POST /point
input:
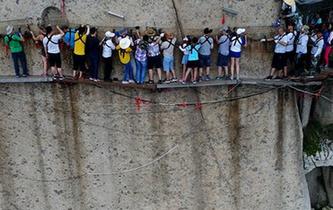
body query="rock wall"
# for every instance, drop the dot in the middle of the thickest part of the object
(67, 146)
(194, 15)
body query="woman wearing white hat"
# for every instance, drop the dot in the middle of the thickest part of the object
(236, 43)
(107, 46)
(124, 51)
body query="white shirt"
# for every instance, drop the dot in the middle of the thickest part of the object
(291, 40)
(236, 44)
(280, 48)
(318, 46)
(108, 46)
(302, 44)
(52, 43)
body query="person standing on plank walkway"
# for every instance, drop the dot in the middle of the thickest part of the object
(13, 42)
(51, 45)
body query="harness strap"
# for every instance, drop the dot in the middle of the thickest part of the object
(80, 39)
(206, 40)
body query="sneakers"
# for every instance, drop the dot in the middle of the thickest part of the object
(159, 81)
(174, 79)
(167, 82)
(96, 80)
(131, 81)
(218, 78)
(25, 75)
(184, 82)
(91, 79)
(269, 77)
(207, 78)
(61, 78)
(151, 82)
(194, 82)
(17, 76)
(125, 82)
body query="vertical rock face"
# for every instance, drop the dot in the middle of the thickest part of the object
(86, 147)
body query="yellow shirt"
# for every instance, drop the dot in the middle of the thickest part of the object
(124, 55)
(80, 44)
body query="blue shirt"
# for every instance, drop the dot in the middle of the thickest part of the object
(224, 45)
(206, 45)
(193, 54)
(69, 38)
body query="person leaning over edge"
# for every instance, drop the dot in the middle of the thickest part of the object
(51, 45)
(107, 46)
(223, 53)
(79, 57)
(279, 58)
(206, 45)
(92, 51)
(13, 42)
(301, 51)
(39, 42)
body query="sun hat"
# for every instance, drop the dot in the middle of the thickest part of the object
(109, 34)
(9, 29)
(150, 32)
(240, 31)
(289, 2)
(208, 31)
(125, 43)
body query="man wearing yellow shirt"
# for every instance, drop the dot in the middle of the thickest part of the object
(124, 51)
(79, 57)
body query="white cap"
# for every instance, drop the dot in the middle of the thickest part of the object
(109, 34)
(9, 29)
(240, 31)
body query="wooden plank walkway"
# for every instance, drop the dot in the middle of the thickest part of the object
(257, 82)
(30, 79)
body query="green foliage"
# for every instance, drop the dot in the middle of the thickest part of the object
(313, 134)
(312, 137)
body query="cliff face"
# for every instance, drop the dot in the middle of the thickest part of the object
(87, 147)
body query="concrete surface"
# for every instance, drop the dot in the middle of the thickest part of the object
(84, 147)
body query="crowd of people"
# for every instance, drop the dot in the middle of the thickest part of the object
(306, 52)
(150, 52)
(298, 51)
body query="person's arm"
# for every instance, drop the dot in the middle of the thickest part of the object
(88, 30)
(34, 37)
(6, 46)
(21, 37)
(101, 42)
(61, 31)
(212, 44)
(113, 47)
(330, 38)
(245, 41)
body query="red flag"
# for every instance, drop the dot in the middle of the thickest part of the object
(223, 20)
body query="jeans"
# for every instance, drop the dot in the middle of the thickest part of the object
(141, 69)
(20, 57)
(128, 72)
(328, 51)
(93, 61)
(107, 68)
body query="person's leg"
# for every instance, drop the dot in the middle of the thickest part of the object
(107, 68)
(15, 58)
(45, 67)
(58, 65)
(138, 74)
(23, 61)
(126, 73)
(130, 72)
(207, 64)
(237, 68)
(143, 71)
(195, 72)
(159, 74)
(327, 53)
(226, 71)
(232, 68)
(166, 67)
(187, 73)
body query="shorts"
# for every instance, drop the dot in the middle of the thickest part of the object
(204, 60)
(79, 62)
(235, 54)
(279, 61)
(54, 60)
(222, 60)
(154, 62)
(168, 63)
(193, 64)
(184, 59)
